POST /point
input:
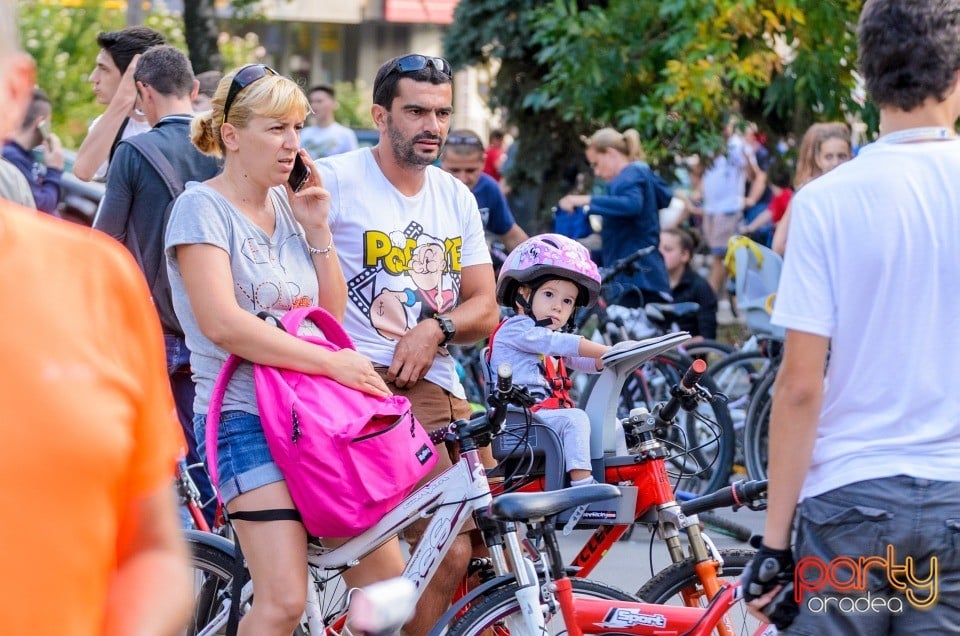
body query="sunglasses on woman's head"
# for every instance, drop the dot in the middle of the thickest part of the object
(243, 78)
(415, 62)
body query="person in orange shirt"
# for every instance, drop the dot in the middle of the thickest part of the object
(90, 539)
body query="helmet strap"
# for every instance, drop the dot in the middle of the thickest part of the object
(527, 305)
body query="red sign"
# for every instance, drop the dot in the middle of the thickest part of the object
(420, 11)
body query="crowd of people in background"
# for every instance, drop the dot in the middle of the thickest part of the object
(197, 191)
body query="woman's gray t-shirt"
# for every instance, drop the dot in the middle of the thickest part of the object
(270, 273)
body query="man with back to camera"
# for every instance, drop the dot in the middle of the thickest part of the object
(34, 131)
(326, 137)
(418, 272)
(463, 157)
(112, 80)
(871, 452)
(137, 197)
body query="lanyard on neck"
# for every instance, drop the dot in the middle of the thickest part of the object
(913, 135)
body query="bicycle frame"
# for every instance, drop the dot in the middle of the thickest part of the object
(595, 616)
(449, 500)
(646, 470)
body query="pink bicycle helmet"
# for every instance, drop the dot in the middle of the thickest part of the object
(548, 256)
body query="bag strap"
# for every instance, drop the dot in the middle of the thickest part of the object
(332, 330)
(158, 161)
(163, 167)
(117, 138)
(289, 322)
(213, 415)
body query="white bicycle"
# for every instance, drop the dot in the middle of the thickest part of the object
(449, 500)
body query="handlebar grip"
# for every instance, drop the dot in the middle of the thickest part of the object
(504, 379)
(671, 407)
(693, 374)
(742, 492)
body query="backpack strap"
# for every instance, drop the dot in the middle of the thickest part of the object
(117, 138)
(163, 167)
(213, 416)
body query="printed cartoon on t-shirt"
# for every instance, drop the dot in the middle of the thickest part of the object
(407, 276)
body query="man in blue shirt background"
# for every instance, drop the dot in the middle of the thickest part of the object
(463, 157)
(44, 178)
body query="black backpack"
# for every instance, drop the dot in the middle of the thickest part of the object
(160, 289)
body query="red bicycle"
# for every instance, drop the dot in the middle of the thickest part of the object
(694, 580)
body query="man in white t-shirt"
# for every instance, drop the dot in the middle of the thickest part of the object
(411, 244)
(724, 185)
(326, 137)
(872, 273)
(113, 85)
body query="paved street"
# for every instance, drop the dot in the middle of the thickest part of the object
(628, 565)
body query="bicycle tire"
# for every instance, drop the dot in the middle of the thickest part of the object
(489, 612)
(737, 377)
(756, 432)
(213, 577)
(710, 351)
(727, 527)
(665, 588)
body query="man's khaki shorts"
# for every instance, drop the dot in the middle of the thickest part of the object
(434, 407)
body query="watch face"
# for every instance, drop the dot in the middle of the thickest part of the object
(447, 327)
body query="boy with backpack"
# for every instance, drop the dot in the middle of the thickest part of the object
(149, 171)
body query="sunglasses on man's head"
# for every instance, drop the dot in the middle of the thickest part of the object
(243, 78)
(415, 62)
(458, 140)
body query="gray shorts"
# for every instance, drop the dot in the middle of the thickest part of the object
(718, 228)
(849, 538)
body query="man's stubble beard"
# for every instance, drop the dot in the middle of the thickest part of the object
(404, 151)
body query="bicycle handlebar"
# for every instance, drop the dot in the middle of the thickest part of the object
(626, 263)
(741, 493)
(685, 389)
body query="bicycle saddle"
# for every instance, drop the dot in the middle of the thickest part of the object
(669, 312)
(533, 506)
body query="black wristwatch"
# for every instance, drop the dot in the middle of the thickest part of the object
(447, 327)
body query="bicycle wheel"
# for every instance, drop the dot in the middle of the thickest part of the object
(494, 612)
(710, 351)
(756, 431)
(213, 585)
(702, 444)
(736, 377)
(680, 578)
(212, 580)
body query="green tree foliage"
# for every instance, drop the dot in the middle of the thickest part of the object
(63, 42)
(548, 148)
(672, 69)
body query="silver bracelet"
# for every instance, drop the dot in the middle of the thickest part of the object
(314, 251)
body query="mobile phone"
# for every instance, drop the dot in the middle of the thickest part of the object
(299, 174)
(44, 128)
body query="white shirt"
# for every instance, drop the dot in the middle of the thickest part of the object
(725, 181)
(873, 263)
(134, 127)
(402, 256)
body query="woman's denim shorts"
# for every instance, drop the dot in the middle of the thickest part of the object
(243, 457)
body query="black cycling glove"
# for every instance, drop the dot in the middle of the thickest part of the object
(768, 569)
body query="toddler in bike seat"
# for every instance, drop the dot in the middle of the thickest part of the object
(545, 279)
